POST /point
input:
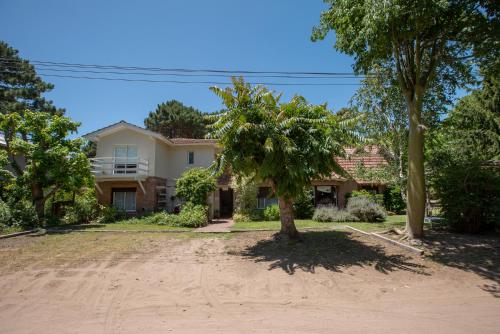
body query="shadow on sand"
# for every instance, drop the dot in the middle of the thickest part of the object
(479, 254)
(331, 250)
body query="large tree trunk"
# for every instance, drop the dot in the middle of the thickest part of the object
(286, 217)
(38, 200)
(416, 178)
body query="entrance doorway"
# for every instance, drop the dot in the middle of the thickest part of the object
(226, 203)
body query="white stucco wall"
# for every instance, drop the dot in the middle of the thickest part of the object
(203, 157)
(146, 146)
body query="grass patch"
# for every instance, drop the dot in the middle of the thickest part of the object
(391, 221)
(124, 226)
(10, 229)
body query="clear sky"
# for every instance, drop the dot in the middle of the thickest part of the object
(263, 35)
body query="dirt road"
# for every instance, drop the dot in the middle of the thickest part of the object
(335, 282)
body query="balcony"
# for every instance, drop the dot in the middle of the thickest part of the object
(119, 168)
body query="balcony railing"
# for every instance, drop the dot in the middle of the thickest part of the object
(119, 167)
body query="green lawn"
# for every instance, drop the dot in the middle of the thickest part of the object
(125, 227)
(392, 221)
(8, 230)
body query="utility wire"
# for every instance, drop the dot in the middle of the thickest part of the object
(200, 82)
(134, 68)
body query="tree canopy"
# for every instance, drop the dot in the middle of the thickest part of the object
(175, 120)
(20, 87)
(286, 145)
(53, 162)
(426, 43)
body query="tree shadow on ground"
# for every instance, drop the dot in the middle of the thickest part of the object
(479, 254)
(331, 250)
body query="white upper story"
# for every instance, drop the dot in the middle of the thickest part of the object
(126, 151)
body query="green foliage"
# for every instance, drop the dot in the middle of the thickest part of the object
(377, 198)
(285, 144)
(109, 214)
(5, 214)
(365, 209)
(193, 215)
(246, 190)
(333, 214)
(392, 199)
(272, 212)
(463, 161)
(53, 162)
(174, 120)
(84, 210)
(303, 206)
(23, 214)
(195, 185)
(20, 87)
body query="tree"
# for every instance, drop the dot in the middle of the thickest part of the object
(53, 162)
(463, 157)
(195, 185)
(425, 43)
(174, 120)
(20, 87)
(286, 145)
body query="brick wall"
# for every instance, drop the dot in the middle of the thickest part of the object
(145, 202)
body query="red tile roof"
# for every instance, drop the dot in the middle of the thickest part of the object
(369, 156)
(186, 141)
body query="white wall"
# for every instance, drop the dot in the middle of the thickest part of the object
(203, 157)
(145, 145)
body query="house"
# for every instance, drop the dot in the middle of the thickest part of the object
(136, 170)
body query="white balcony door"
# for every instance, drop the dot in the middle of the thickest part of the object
(125, 159)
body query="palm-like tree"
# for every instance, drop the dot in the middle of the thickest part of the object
(286, 145)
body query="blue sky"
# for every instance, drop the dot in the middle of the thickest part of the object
(222, 34)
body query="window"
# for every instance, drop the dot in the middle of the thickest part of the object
(325, 195)
(190, 158)
(125, 159)
(124, 200)
(264, 198)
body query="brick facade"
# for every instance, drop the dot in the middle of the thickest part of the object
(145, 202)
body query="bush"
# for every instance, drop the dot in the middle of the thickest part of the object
(23, 214)
(332, 214)
(377, 198)
(365, 209)
(272, 212)
(109, 214)
(470, 197)
(393, 200)
(303, 206)
(84, 210)
(246, 196)
(195, 185)
(193, 215)
(5, 214)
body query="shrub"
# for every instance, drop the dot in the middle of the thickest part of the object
(332, 214)
(23, 214)
(5, 214)
(193, 215)
(246, 195)
(470, 197)
(393, 200)
(377, 198)
(303, 206)
(109, 214)
(365, 209)
(272, 212)
(195, 185)
(240, 217)
(84, 210)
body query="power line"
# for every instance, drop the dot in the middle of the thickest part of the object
(134, 68)
(200, 82)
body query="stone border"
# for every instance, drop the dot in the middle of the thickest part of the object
(394, 242)
(16, 234)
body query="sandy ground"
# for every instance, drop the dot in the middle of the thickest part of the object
(334, 282)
